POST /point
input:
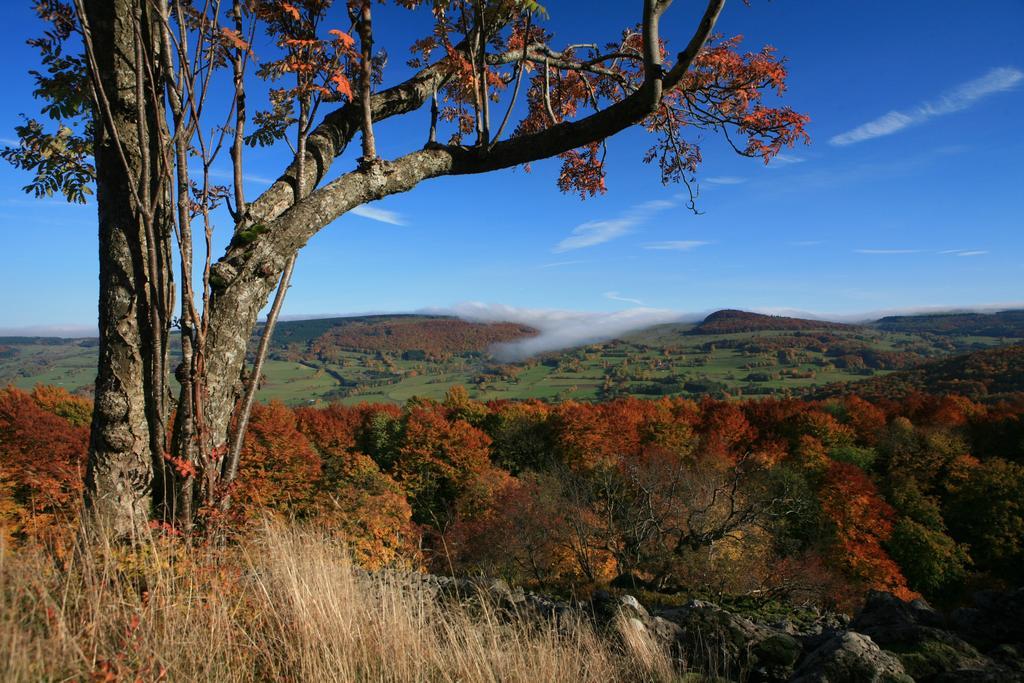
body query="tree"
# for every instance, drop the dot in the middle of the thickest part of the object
(283, 467)
(986, 511)
(133, 83)
(42, 449)
(863, 522)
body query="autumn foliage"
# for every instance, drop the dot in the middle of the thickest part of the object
(730, 321)
(438, 338)
(810, 500)
(43, 438)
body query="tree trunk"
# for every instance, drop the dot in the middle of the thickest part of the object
(136, 289)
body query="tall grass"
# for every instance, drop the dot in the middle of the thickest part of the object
(285, 605)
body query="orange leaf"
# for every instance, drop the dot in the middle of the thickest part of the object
(235, 38)
(345, 39)
(342, 85)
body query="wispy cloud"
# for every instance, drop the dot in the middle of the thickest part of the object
(557, 264)
(959, 98)
(560, 329)
(675, 245)
(725, 180)
(598, 232)
(947, 252)
(786, 160)
(971, 252)
(381, 215)
(806, 243)
(867, 172)
(217, 173)
(615, 296)
(887, 251)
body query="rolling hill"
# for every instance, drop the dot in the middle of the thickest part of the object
(729, 321)
(981, 375)
(392, 358)
(1001, 324)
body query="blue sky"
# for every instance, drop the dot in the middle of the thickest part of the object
(908, 196)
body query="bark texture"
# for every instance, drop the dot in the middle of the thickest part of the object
(126, 435)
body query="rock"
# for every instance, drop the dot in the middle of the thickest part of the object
(885, 609)
(718, 642)
(607, 608)
(501, 594)
(995, 618)
(850, 658)
(917, 634)
(631, 604)
(890, 640)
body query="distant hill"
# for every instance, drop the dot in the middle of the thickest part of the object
(417, 337)
(392, 358)
(978, 375)
(1001, 324)
(305, 331)
(729, 321)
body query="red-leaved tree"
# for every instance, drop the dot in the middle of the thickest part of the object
(148, 95)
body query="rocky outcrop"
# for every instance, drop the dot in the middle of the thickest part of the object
(850, 657)
(921, 638)
(711, 639)
(888, 641)
(994, 618)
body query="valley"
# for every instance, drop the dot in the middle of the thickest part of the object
(392, 358)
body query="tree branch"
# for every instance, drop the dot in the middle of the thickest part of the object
(296, 225)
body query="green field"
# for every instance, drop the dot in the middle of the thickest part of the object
(663, 360)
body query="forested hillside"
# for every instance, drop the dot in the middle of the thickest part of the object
(730, 321)
(1001, 324)
(393, 358)
(982, 375)
(808, 501)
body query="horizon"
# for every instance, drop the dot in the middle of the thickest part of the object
(903, 201)
(623, 321)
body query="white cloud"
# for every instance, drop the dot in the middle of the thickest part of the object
(381, 215)
(887, 251)
(786, 160)
(615, 296)
(959, 98)
(964, 252)
(725, 180)
(675, 245)
(884, 125)
(222, 174)
(807, 243)
(593, 233)
(557, 264)
(563, 329)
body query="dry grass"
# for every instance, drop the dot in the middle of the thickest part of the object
(287, 605)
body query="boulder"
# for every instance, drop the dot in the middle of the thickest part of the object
(922, 640)
(995, 618)
(850, 658)
(712, 640)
